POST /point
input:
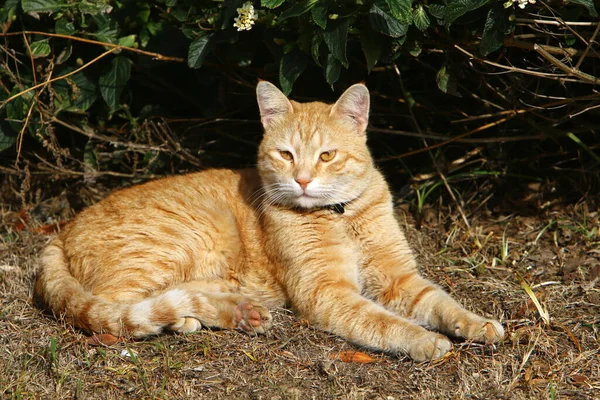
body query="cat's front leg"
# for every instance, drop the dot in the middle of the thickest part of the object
(419, 300)
(321, 279)
(392, 280)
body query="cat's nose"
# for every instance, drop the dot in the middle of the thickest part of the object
(303, 182)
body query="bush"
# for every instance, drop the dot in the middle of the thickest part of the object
(82, 79)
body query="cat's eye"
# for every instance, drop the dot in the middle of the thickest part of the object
(327, 155)
(286, 155)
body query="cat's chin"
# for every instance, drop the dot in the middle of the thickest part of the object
(305, 201)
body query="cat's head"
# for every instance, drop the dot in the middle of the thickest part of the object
(313, 154)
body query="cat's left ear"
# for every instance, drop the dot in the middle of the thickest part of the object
(354, 104)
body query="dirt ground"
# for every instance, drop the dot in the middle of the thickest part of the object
(538, 274)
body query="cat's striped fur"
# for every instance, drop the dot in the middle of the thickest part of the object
(220, 247)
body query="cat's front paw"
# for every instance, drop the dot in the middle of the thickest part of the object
(479, 330)
(252, 318)
(429, 346)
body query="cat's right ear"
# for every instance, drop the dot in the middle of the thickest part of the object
(272, 103)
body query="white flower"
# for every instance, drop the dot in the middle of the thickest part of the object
(246, 17)
(523, 3)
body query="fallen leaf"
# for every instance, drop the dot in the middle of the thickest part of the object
(49, 229)
(353, 357)
(103, 339)
(578, 379)
(529, 305)
(595, 272)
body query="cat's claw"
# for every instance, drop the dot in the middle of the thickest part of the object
(252, 318)
(430, 347)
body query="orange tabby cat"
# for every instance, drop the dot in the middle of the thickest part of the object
(312, 227)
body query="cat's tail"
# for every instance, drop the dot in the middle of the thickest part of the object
(57, 291)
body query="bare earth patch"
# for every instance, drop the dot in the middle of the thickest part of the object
(489, 268)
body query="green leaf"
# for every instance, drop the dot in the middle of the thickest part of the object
(336, 37)
(271, 3)
(497, 25)
(457, 8)
(108, 30)
(447, 82)
(64, 27)
(127, 41)
(6, 139)
(371, 47)
(84, 93)
(382, 22)
(37, 6)
(319, 15)
(199, 49)
(332, 71)
(315, 49)
(415, 50)
(114, 79)
(589, 4)
(297, 10)
(41, 48)
(401, 10)
(291, 66)
(94, 7)
(64, 54)
(420, 18)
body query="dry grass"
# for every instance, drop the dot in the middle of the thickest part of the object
(43, 358)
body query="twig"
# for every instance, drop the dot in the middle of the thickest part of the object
(524, 71)
(435, 164)
(22, 132)
(554, 22)
(84, 66)
(568, 51)
(454, 139)
(569, 70)
(113, 46)
(94, 135)
(589, 46)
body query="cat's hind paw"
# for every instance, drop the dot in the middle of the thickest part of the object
(252, 318)
(186, 325)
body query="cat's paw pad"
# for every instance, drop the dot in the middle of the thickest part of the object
(429, 347)
(481, 330)
(185, 325)
(252, 318)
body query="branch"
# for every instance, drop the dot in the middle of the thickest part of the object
(156, 56)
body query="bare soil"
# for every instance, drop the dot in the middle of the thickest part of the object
(488, 267)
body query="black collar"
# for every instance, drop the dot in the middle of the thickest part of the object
(338, 207)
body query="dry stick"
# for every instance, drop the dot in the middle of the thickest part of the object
(589, 46)
(84, 66)
(94, 135)
(558, 77)
(554, 22)
(439, 171)
(454, 139)
(22, 132)
(569, 51)
(114, 46)
(569, 70)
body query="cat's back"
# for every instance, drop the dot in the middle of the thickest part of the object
(181, 193)
(163, 211)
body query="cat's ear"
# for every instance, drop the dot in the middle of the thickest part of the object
(272, 103)
(354, 104)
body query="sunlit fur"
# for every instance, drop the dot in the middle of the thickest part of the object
(219, 247)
